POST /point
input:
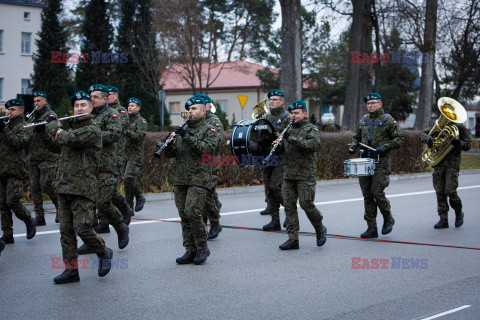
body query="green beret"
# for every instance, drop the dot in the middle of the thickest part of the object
(276, 92)
(15, 103)
(299, 104)
(134, 100)
(80, 95)
(40, 94)
(204, 96)
(194, 100)
(113, 89)
(372, 96)
(98, 87)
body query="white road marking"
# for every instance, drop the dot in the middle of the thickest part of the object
(446, 312)
(257, 210)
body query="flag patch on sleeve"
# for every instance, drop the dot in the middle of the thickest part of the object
(114, 115)
(213, 130)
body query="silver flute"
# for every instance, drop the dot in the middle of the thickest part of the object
(59, 119)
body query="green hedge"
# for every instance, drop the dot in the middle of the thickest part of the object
(156, 174)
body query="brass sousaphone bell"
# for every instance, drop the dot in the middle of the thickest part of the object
(260, 110)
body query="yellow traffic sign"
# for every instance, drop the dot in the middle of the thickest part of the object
(242, 100)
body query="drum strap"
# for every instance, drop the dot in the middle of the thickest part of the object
(372, 124)
(281, 118)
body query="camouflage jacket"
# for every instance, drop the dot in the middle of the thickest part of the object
(213, 121)
(378, 129)
(125, 124)
(109, 121)
(279, 117)
(79, 148)
(13, 145)
(299, 149)
(135, 142)
(454, 157)
(200, 139)
(37, 151)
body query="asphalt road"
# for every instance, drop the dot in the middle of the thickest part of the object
(248, 277)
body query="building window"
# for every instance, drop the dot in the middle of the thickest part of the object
(1, 89)
(1, 41)
(26, 16)
(26, 86)
(223, 105)
(26, 43)
(174, 107)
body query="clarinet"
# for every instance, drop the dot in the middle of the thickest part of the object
(267, 159)
(170, 139)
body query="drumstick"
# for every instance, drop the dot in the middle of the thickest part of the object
(364, 145)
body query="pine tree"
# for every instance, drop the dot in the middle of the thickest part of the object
(50, 77)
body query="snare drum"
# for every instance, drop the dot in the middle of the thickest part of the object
(251, 140)
(359, 167)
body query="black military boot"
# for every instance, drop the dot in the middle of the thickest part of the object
(442, 224)
(128, 217)
(321, 236)
(69, 275)
(2, 246)
(370, 233)
(459, 219)
(266, 211)
(56, 218)
(273, 225)
(83, 249)
(105, 263)
(388, 225)
(215, 229)
(285, 223)
(41, 221)
(102, 228)
(187, 257)
(289, 245)
(140, 203)
(31, 228)
(201, 256)
(123, 238)
(219, 205)
(8, 239)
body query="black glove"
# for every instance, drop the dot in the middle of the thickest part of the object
(51, 118)
(380, 151)
(40, 128)
(180, 131)
(456, 143)
(430, 143)
(2, 125)
(286, 135)
(352, 149)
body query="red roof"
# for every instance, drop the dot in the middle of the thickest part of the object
(223, 75)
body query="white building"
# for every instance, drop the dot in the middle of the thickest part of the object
(20, 21)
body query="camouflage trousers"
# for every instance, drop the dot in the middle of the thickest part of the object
(11, 191)
(304, 191)
(76, 215)
(445, 182)
(42, 177)
(190, 202)
(272, 180)
(132, 187)
(106, 211)
(118, 200)
(211, 209)
(374, 196)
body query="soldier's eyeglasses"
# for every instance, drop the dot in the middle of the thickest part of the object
(372, 103)
(275, 99)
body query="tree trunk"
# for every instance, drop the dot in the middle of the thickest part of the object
(425, 100)
(291, 70)
(358, 78)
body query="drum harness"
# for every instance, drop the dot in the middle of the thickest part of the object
(372, 124)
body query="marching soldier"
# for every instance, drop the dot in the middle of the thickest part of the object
(14, 140)
(381, 132)
(213, 205)
(192, 181)
(42, 162)
(299, 145)
(273, 175)
(445, 176)
(76, 186)
(135, 143)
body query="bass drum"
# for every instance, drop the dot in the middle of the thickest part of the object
(251, 141)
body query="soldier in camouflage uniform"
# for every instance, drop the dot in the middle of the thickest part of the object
(42, 162)
(191, 180)
(13, 174)
(213, 205)
(135, 144)
(273, 175)
(75, 184)
(381, 132)
(299, 145)
(445, 176)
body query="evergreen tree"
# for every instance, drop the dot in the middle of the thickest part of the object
(50, 77)
(96, 39)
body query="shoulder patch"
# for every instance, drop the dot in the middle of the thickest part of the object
(218, 125)
(213, 130)
(114, 115)
(122, 111)
(143, 121)
(315, 129)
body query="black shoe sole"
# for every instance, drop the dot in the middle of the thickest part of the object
(179, 261)
(441, 227)
(289, 248)
(77, 279)
(272, 229)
